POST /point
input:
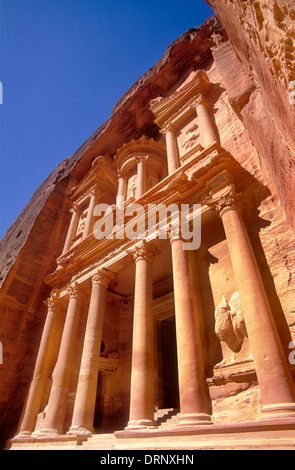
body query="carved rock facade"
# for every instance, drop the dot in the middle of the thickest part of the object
(107, 333)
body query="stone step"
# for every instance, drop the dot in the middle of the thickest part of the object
(100, 442)
(167, 417)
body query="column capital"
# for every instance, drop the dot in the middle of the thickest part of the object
(200, 99)
(92, 192)
(141, 158)
(125, 309)
(144, 251)
(52, 301)
(174, 234)
(226, 201)
(75, 291)
(102, 277)
(167, 126)
(74, 209)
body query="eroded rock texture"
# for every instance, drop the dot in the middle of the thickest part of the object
(263, 37)
(248, 61)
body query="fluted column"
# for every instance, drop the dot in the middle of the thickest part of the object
(276, 385)
(72, 227)
(89, 217)
(141, 176)
(142, 372)
(55, 413)
(193, 391)
(205, 123)
(172, 149)
(83, 415)
(46, 353)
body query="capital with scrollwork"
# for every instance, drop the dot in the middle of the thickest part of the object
(144, 251)
(52, 301)
(228, 200)
(102, 277)
(75, 291)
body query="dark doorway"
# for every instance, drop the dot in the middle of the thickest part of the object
(169, 368)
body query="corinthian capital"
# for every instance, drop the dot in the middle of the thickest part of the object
(75, 291)
(144, 251)
(52, 301)
(227, 200)
(102, 277)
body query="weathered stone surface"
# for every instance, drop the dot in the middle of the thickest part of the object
(198, 127)
(263, 36)
(29, 248)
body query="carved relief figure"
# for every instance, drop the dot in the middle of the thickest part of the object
(229, 322)
(132, 183)
(191, 137)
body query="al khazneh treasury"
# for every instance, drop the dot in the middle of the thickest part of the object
(136, 343)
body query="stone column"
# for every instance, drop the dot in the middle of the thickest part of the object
(44, 361)
(193, 391)
(55, 413)
(125, 352)
(141, 176)
(122, 188)
(89, 217)
(206, 127)
(276, 385)
(142, 372)
(172, 149)
(83, 415)
(72, 227)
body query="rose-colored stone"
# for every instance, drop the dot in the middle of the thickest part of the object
(156, 340)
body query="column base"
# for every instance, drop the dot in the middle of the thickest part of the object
(47, 432)
(80, 431)
(140, 424)
(277, 411)
(23, 435)
(194, 419)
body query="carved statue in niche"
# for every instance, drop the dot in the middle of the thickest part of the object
(192, 135)
(131, 190)
(230, 325)
(81, 224)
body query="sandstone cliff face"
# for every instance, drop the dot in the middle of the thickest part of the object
(253, 120)
(263, 36)
(29, 249)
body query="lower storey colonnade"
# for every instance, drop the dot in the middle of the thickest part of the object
(274, 377)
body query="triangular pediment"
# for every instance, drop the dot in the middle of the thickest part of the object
(165, 108)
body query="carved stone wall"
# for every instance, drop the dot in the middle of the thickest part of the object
(210, 100)
(263, 36)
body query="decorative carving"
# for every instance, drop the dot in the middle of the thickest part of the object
(102, 277)
(229, 322)
(125, 308)
(227, 201)
(52, 301)
(191, 137)
(131, 191)
(75, 290)
(144, 251)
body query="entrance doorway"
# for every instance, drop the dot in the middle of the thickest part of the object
(168, 391)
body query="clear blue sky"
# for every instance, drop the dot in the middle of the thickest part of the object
(64, 64)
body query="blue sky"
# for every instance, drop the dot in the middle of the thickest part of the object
(64, 64)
